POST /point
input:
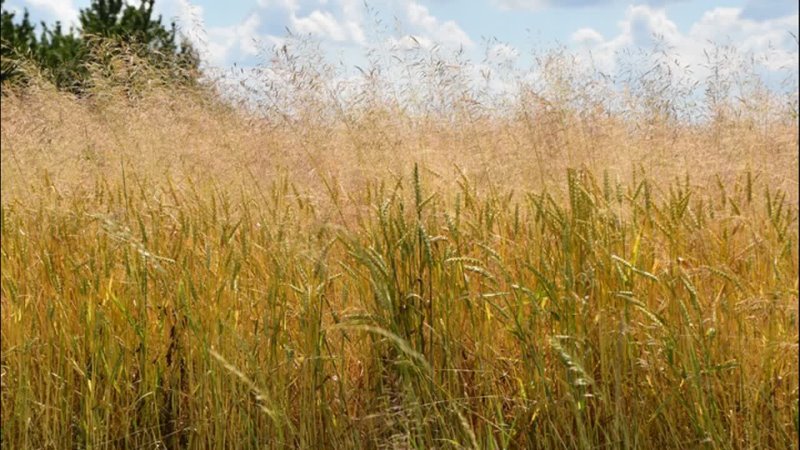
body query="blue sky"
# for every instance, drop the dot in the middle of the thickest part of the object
(229, 32)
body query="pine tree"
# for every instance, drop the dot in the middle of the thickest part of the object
(129, 24)
(15, 40)
(64, 57)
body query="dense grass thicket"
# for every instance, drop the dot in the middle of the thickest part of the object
(545, 273)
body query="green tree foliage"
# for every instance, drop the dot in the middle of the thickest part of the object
(136, 26)
(106, 26)
(15, 40)
(63, 56)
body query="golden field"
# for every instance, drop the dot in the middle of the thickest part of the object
(178, 272)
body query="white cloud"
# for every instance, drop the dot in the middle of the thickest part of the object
(410, 41)
(447, 32)
(325, 25)
(223, 45)
(289, 5)
(353, 18)
(340, 23)
(188, 16)
(522, 4)
(319, 23)
(586, 36)
(62, 10)
(718, 26)
(502, 54)
(534, 5)
(243, 38)
(643, 23)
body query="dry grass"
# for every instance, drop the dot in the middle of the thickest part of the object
(180, 273)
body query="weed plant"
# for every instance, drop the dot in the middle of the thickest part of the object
(571, 266)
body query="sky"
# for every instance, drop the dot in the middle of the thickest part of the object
(238, 32)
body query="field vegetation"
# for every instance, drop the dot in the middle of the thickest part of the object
(401, 259)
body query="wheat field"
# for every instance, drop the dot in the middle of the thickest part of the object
(180, 271)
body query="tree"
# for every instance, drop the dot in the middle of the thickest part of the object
(14, 39)
(63, 57)
(137, 29)
(114, 18)
(106, 25)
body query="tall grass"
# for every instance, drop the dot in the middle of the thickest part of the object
(180, 273)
